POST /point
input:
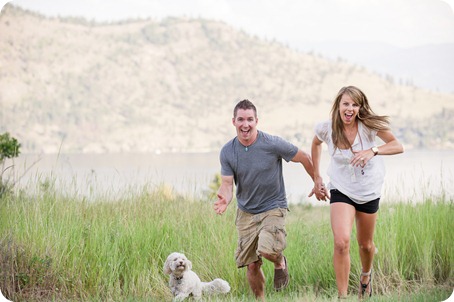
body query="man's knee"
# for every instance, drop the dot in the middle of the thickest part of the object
(254, 266)
(274, 257)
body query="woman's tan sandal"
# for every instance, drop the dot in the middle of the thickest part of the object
(363, 287)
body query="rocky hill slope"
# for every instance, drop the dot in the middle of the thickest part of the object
(69, 85)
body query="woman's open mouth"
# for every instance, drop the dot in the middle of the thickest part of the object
(348, 117)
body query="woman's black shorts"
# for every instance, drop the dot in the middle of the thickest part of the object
(370, 207)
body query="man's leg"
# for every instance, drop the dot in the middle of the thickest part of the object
(281, 276)
(271, 244)
(256, 279)
(246, 254)
(278, 260)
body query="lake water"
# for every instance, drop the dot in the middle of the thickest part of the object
(411, 176)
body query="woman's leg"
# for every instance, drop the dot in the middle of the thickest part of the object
(342, 216)
(365, 228)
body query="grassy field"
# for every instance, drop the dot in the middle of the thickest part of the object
(55, 247)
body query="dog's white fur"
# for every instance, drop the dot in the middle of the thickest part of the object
(184, 282)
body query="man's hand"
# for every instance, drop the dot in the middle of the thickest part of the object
(220, 205)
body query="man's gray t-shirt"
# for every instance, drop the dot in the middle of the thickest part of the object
(257, 171)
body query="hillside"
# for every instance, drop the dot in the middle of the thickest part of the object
(73, 86)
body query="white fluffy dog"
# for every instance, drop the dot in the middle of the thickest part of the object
(184, 282)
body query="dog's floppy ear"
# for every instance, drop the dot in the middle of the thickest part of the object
(167, 269)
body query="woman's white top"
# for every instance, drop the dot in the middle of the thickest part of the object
(360, 184)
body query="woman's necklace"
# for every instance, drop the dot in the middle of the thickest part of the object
(347, 158)
(351, 133)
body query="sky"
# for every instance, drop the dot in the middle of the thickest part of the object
(402, 23)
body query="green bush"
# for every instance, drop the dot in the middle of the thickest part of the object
(9, 148)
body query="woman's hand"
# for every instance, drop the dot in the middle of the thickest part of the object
(360, 158)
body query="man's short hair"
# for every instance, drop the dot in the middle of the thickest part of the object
(245, 105)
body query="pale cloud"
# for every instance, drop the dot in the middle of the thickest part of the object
(450, 3)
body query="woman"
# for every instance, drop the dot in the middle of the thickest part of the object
(356, 175)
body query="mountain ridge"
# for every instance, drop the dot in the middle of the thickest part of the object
(427, 66)
(72, 86)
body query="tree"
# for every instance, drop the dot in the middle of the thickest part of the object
(9, 148)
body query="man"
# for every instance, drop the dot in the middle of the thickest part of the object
(253, 160)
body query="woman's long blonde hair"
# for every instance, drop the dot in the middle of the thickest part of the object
(365, 115)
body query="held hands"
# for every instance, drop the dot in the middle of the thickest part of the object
(220, 205)
(320, 191)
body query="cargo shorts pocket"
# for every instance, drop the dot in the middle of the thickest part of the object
(280, 242)
(272, 240)
(246, 250)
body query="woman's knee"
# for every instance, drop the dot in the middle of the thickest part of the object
(342, 245)
(366, 246)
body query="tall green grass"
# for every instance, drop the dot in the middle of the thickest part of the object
(59, 247)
